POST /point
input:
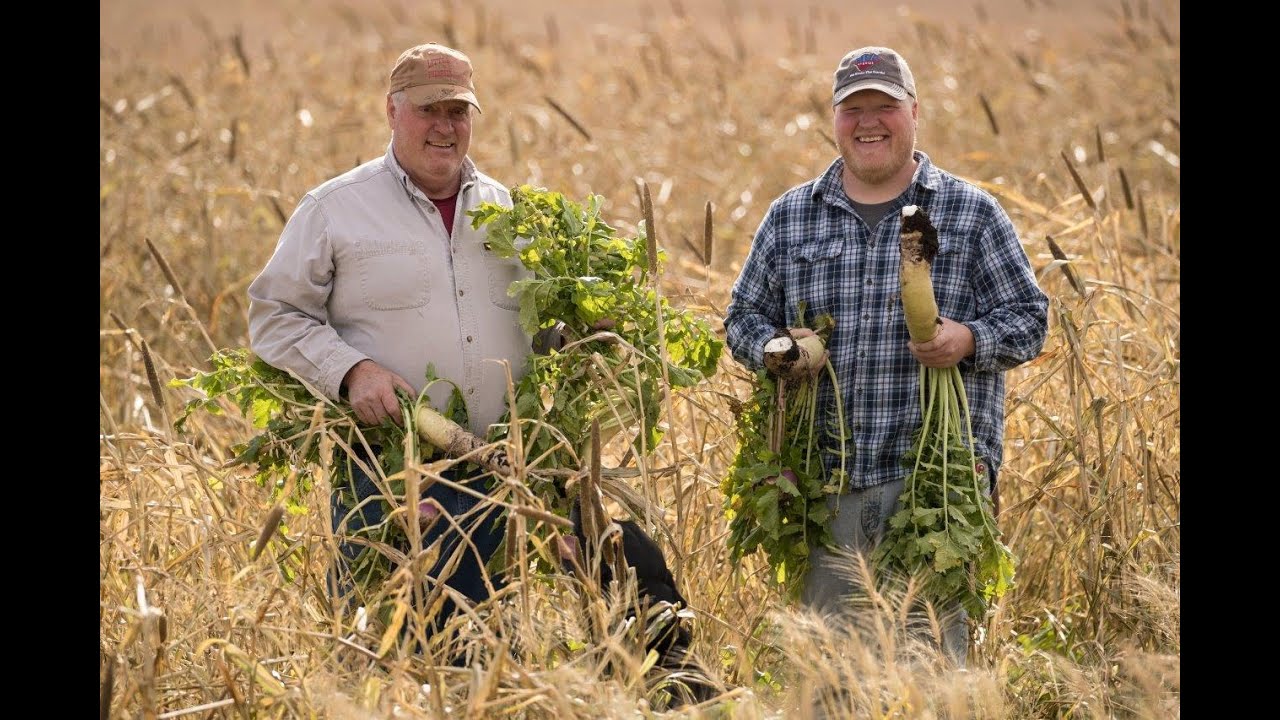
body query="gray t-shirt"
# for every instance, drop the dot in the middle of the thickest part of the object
(872, 213)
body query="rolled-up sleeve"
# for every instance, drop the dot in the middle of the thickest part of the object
(288, 315)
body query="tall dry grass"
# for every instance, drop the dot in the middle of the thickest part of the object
(212, 129)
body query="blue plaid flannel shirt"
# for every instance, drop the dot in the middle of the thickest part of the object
(813, 248)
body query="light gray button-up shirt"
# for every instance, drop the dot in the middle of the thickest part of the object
(365, 269)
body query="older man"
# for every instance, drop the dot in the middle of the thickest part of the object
(378, 275)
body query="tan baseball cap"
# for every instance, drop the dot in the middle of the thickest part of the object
(873, 68)
(432, 72)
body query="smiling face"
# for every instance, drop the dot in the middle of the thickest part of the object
(876, 134)
(430, 142)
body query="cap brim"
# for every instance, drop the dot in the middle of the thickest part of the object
(889, 88)
(427, 94)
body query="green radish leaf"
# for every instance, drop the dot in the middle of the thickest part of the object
(787, 486)
(950, 529)
(784, 517)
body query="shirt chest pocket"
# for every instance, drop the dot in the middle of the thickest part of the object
(819, 253)
(952, 281)
(501, 274)
(819, 270)
(818, 256)
(393, 276)
(822, 265)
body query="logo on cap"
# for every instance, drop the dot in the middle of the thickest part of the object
(443, 67)
(866, 60)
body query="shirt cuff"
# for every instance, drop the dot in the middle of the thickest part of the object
(335, 368)
(758, 340)
(984, 344)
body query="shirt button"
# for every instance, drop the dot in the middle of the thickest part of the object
(866, 317)
(468, 338)
(862, 353)
(868, 282)
(461, 293)
(857, 426)
(471, 391)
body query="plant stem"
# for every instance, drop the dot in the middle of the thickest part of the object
(810, 406)
(844, 438)
(927, 405)
(987, 523)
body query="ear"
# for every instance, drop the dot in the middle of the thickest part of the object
(391, 111)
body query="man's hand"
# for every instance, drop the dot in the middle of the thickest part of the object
(953, 343)
(371, 390)
(801, 361)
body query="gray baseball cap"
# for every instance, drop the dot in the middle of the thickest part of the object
(873, 68)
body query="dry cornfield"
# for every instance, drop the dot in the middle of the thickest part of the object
(215, 120)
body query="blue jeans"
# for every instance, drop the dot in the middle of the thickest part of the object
(485, 527)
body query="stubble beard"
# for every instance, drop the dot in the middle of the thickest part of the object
(878, 173)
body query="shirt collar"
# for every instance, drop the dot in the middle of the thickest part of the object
(468, 175)
(828, 187)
